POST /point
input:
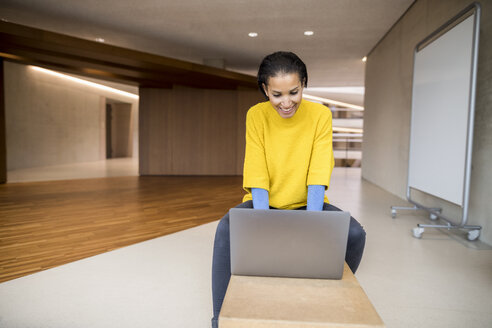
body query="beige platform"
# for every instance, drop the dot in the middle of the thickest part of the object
(260, 302)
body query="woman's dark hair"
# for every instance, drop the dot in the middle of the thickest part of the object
(281, 62)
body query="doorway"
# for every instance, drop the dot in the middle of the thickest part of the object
(119, 132)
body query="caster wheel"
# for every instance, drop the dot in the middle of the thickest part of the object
(393, 213)
(433, 217)
(473, 235)
(417, 232)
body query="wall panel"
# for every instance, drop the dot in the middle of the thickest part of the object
(188, 131)
(3, 148)
(154, 145)
(219, 134)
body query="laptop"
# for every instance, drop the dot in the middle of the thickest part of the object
(288, 243)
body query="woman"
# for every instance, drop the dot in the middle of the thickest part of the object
(288, 160)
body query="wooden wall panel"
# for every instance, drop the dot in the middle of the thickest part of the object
(219, 132)
(188, 131)
(154, 142)
(185, 128)
(3, 132)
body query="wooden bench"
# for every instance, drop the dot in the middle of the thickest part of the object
(260, 302)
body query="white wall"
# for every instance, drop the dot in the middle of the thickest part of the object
(388, 105)
(51, 120)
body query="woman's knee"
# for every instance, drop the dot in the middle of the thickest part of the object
(356, 232)
(246, 204)
(330, 207)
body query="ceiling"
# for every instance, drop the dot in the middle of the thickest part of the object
(203, 31)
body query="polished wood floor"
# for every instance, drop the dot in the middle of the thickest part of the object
(47, 224)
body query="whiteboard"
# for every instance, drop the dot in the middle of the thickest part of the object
(440, 114)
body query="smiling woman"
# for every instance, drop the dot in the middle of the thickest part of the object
(285, 93)
(288, 160)
(282, 77)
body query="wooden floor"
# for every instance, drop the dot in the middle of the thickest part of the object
(47, 224)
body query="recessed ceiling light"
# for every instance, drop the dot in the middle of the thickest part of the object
(364, 59)
(252, 34)
(100, 40)
(308, 33)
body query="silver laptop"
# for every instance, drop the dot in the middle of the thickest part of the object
(288, 243)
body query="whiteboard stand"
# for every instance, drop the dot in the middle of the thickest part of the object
(443, 110)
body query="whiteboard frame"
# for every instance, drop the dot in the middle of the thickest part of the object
(475, 10)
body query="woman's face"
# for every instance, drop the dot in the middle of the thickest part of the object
(285, 93)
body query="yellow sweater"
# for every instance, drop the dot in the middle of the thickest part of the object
(285, 155)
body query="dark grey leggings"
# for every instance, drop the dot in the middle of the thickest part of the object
(221, 262)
